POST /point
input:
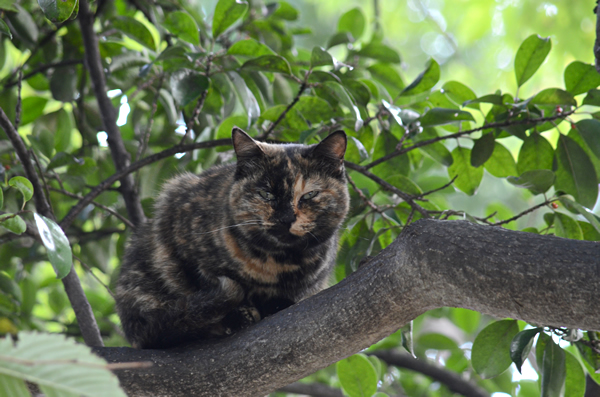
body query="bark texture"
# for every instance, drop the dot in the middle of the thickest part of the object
(543, 280)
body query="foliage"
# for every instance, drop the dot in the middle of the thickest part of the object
(182, 77)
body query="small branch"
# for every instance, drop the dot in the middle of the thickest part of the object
(199, 105)
(43, 68)
(466, 132)
(107, 183)
(362, 195)
(436, 190)
(119, 154)
(105, 208)
(286, 110)
(597, 41)
(144, 143)
(514, 218)
(453, 381)
(390, 188)
(90, 272)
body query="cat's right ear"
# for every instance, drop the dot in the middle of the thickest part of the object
(244, 145)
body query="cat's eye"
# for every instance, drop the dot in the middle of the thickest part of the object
(266, 195)
(309, 195)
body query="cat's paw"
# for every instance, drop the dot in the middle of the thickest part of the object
(250, 315)
(240, 318)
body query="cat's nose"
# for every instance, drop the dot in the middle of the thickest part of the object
(288, 217)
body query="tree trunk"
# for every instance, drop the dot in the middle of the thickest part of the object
(543, 280)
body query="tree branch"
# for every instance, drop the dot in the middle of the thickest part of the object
(72, 284)
(432, 264)
(120, 155)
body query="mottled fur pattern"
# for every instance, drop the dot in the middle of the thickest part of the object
(235, 244)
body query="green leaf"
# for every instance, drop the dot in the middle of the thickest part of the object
(32, 108)
(4, 29)
(424, 81)
(24, 25)
(575, 173)
(357, 376)
(357, 146)
(285, 11)
(12, 386)
(79, 371)
(182, 25)
(592, 98)
(388, 76)
(354, 22)
(380, 52)
(554, 97)
(575, 379)
(581, 77)
(314, 109)
(494, 99)
(13, 223)
(405, 184)
(58, 10)
(249, 47)
(589, 129)
(482, 149)
(268, 63)
(187, 86)
(23, 185)
(320, 57)
(292, 119)
(459, 93)
(227, 125)
(530, 56)
(553, 370)
(490, 354)
(467, 320)
(501, 164)
(63, 85)
(436, 150)
(587, 214)
(135, 30)
(1, 198)
(468, 177)
(8, 5)
(521, 345)
(227, 12)
(56, 243)
(567, 227)
(537, 181)
(536, 154)
(440, 116)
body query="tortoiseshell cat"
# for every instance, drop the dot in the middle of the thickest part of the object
(235, 244)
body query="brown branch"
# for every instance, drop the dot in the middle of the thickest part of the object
(107, 183)
(362, 195)
(453, 381)
(120, 155)
(535, 207)
(199, 105)
(389, 187)
(597, 41)
(420, 196)
(461, 133)
(45, 67)
(80, 304)
(146, 136)
(286, 110)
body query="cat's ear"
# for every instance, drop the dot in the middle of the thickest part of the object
(244, 145)
(332, 147)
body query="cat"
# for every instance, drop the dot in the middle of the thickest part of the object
(236, 243)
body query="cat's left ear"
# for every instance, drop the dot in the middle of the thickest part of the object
(244, 145)
(332, 147)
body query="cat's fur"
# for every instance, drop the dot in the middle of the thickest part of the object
(235, 244)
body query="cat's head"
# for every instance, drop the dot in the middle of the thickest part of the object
(289, 194)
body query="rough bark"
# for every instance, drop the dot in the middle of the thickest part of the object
(543, 280)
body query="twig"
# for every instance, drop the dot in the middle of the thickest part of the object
(105, 208)
(535, 207)
(466, 132)
(362, 195)
(89, 270)
(87, 199)
(389, 187)
(420, 196)
(199, 105)
(286, 110)
(146, 136)
(43, 68)
(37, 162)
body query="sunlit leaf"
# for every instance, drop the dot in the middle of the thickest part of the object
(567, 227)
(490, 354)
(589, 129)
(249, 47)
(268, 63)
(13, 223)
(320, 57)
(536, 154)
(56, 243)
(501, 163)
(459, 93)
(357, 376)
(530, 56)
(227, 12)
(135, 30)
(554, 96)
(587, 214)
(575, 377)
(285, 11)
(388, 76)
(23, 185)
(439, 116)
(380, 52)
(4, 29)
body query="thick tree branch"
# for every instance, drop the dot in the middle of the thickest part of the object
(120, 155)
(80, 304)
(432, 264)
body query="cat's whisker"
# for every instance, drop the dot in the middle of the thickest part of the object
(228, 227)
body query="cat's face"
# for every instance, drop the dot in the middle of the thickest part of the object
(289, 195)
